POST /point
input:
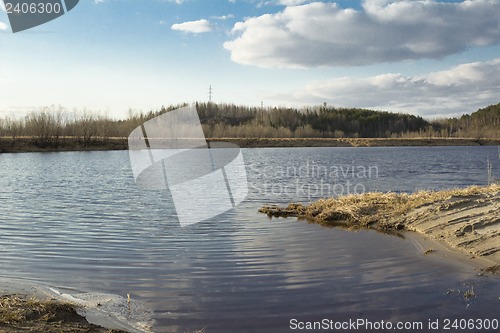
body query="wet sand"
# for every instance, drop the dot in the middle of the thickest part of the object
(470, 224)
(462, 224)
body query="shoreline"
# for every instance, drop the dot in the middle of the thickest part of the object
(62, 144)
(25, 304)
(20, 313)
(442, 252)
(461, 224)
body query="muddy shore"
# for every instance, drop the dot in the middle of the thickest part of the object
(467, 220)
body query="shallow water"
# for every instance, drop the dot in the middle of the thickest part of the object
(78, 221)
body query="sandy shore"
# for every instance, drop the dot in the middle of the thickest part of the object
(469, 223)
(467, 220)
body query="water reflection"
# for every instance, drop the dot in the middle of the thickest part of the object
(77, 220)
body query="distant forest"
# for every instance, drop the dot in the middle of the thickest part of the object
(50, 125)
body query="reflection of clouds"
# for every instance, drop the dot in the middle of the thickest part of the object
(285, 250)
(88, 230)
(346, 272)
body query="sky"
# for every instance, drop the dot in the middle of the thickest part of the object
(431, 58)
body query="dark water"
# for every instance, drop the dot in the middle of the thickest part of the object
(77, 220)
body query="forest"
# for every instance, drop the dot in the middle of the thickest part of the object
(52, 125)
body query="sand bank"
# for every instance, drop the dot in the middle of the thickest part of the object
(464, 219)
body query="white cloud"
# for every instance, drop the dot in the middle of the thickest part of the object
(461, 89)
(323, 34)
(198, 26)
(291, 2)
(282, 2)
(3, 26)
(223, 17)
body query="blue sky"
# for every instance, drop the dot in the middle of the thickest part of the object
(431, 58)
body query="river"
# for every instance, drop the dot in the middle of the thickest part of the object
(78, 221)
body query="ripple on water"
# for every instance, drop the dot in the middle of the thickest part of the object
(77, 220)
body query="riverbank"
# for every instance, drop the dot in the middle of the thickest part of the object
(464, 219)
(28, 306)
(32, 145)
(20, 314)
(27, 144)
(358, 142)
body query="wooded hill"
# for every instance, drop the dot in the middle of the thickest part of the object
(49, 126)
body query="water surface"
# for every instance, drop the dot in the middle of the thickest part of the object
(77, 220)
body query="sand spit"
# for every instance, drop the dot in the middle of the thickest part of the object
(465, 219)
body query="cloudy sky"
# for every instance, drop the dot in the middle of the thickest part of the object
(433, 58)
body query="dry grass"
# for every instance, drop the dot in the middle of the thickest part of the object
(19, 314)
(14, 308)
(364, 210)
(469, 293)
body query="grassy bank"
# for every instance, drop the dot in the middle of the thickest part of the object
(19, 314)
(466, 219)
(28, 144)
(358, 142)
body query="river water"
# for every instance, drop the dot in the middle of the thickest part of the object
(77, 220)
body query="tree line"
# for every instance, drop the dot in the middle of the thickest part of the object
(226, 120)
(52, 125)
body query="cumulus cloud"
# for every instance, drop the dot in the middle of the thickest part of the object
(461, 89)
(3, 26)
(195, 27)
(323, 34)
